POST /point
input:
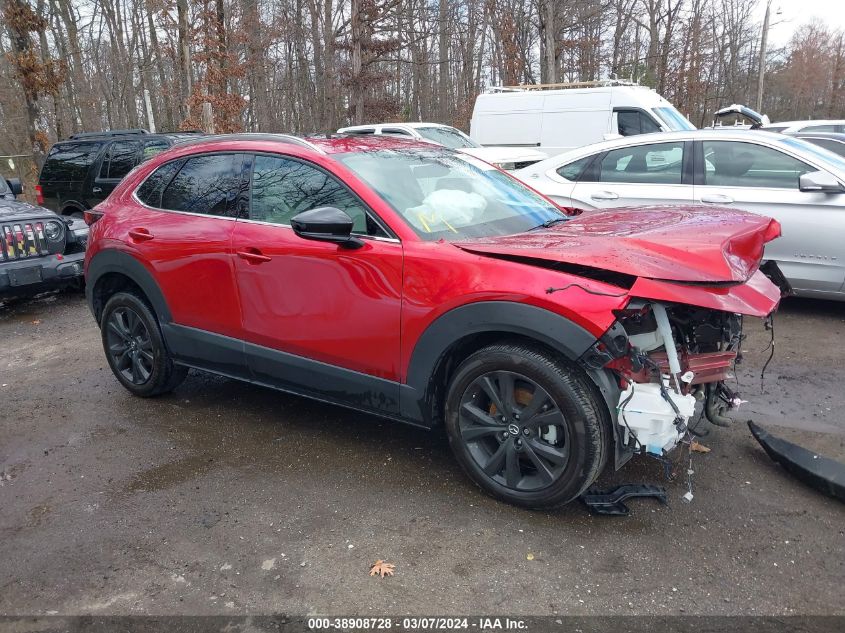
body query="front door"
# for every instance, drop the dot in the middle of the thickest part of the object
(760, 179)
(318, 318)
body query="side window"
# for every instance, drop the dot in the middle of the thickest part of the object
(657, 163)
(69, 161)
(282, 187)
(120, 160)
(819, 128)
(361, 132)
(632, 122)
(573, 171)
(739, 164)
(151, 189)
(837, 147)
(153, 147)
(205, 184)
(389, 131)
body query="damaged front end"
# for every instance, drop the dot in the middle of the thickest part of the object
(673, 362)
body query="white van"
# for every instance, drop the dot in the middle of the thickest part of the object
(556, 119)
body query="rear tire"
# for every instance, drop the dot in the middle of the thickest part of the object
(527, 427)
(135, 348)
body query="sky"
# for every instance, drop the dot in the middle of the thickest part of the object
(794, 13)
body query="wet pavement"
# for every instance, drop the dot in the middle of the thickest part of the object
(224, 498)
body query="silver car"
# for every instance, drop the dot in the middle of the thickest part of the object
(791, 180)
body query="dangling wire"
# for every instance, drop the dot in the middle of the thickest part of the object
(770, 325)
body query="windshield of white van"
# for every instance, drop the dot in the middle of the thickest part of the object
(673, 119)
(448, 195)
(447, 136)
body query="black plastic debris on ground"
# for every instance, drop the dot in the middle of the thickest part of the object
(611, 502)
(823, 474)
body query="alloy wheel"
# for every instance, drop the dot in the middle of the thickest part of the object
(129, 345)
(514, 431)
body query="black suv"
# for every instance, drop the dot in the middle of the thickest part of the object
(82, 171)
(38, 249)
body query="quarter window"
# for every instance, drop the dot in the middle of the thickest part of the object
(69, 161)
(150, 191)
(283, 187)
(655, 164)
(205, 184)
(739, 164)
(575, 169)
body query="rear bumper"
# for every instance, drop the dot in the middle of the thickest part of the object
(27, 275)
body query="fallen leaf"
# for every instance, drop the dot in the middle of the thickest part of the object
(381, 568)
(696, 447)
(36, 322)
(530, 556)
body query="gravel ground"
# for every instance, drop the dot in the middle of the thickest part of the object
(224, 498)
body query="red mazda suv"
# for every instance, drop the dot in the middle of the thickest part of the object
(420, 284)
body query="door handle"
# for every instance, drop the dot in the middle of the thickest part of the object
(605, 195)
(97, 190)
(140, 235)
(253, 256)
(717, 198)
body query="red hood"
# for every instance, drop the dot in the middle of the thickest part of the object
(688, 244)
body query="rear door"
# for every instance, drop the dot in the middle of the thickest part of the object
(646, 174)
(182, 228)
(761, 179)
(116, 162)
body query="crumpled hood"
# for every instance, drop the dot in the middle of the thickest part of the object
(693, 244)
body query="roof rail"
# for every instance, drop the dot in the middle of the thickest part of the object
(107, 133)
(566, 85)
(259, 136)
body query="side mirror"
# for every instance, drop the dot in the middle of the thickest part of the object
(820, 182)
(15, 186)
(325, 224)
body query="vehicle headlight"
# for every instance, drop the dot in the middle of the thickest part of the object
(54, 230)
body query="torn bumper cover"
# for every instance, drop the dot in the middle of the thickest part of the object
(822, 473)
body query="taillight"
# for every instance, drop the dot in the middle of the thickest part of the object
(91, 216)
(39, 195)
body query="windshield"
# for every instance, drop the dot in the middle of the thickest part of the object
(452, 196)
(673, 119)
(447, 136)
(819, 153)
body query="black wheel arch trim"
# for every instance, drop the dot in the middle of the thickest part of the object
(552, 330)
(121, 262)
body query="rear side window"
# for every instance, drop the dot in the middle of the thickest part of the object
(819, 128)
(573, 171)
(153, 147)
(120, 160)
(205, 184)
(69, 161)
(150, 191)
(631, 122)
(656, 163)
(836, 147)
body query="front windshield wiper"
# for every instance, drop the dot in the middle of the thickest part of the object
(548, 223)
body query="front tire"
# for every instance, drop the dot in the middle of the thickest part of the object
(527, 427)
(135, 349)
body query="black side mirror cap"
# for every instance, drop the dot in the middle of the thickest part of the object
(325, 224)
